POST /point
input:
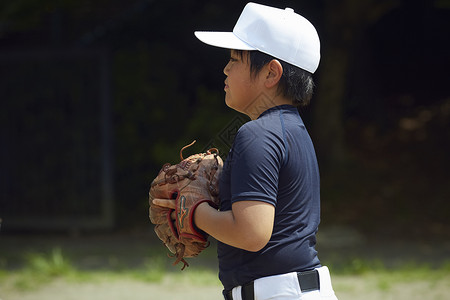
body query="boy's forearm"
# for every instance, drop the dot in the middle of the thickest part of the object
(223, 226)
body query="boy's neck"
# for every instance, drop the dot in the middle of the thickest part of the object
(263, 103)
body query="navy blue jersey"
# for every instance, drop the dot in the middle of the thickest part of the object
(273, 160)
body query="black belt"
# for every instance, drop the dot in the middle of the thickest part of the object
(308, 281)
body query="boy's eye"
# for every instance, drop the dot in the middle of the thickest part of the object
(232, 59)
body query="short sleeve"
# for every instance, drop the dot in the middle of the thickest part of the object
(256, 163)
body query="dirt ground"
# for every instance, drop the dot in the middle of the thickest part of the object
(123, 289)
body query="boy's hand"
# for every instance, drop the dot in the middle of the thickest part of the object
(168, 203)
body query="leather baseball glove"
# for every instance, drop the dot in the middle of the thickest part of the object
(192, 181)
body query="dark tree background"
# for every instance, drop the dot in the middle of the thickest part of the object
(113, 89)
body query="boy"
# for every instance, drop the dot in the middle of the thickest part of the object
(269, 187)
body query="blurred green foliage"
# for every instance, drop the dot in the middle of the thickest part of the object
(166, 91)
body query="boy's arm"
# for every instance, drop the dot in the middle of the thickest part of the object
(247, 226)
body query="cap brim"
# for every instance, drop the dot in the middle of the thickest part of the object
(223, 40)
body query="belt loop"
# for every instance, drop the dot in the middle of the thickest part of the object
(227, 295)
(309, 280)
(248, 291)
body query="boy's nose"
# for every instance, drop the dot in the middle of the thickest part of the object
(225, 70)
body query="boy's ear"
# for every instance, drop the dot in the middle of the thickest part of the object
(274, 72)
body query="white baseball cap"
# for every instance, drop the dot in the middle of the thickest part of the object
(281, 33)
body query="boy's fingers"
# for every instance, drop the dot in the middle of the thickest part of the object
(165, 203)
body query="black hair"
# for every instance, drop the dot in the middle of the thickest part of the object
(295, 83)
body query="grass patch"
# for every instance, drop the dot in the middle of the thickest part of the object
(51, 265)
(39, 269)
(198, 277)
(377, 277)
(153, 271)
(42, 268)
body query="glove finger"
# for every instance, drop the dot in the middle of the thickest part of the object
(158, 214)
(163, 232)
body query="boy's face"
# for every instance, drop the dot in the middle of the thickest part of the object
(242, 90)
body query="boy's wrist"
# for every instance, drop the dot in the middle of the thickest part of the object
(199, 211)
